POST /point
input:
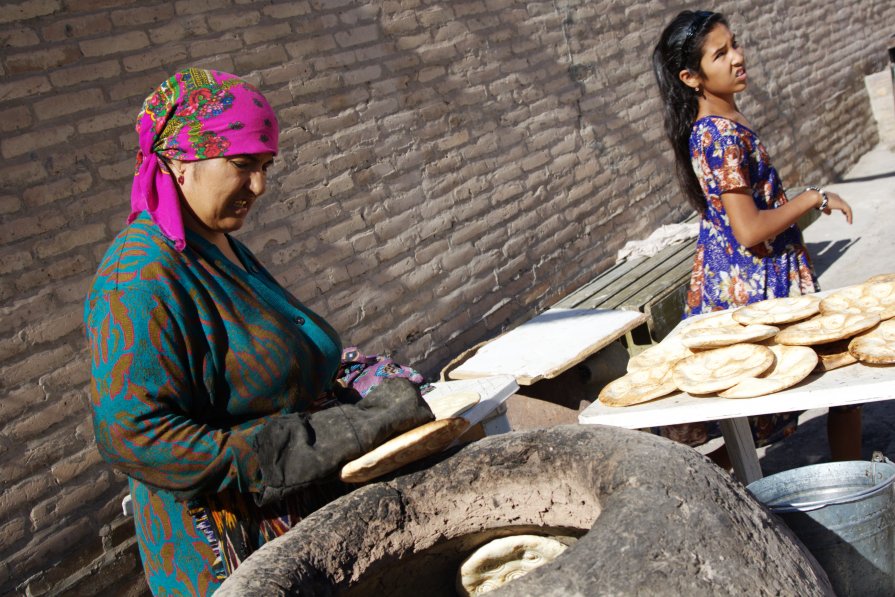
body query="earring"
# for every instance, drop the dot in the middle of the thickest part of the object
(698, 90)
(180, 179)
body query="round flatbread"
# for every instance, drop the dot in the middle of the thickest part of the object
(791, 365)
(833, 355)
(711, 320)
(866, 299)
(726, 335)
(876, 346)
(408, 447)
(660, 356)
(451, 405)
(826, 328)
(721, 368)
(637, 386)
(778, 310)
(502, 560)
(881, 278)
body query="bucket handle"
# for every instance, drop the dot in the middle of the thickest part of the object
(847, 499)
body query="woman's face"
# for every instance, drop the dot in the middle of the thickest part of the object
(219, 192)
(723, 65)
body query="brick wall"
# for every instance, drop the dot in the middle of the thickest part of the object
(448, 168)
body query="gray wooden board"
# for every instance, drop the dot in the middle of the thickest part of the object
(639, 276)
(666, 312)
(593, 287)
(673, 272)
(619, 280)
(662, 274)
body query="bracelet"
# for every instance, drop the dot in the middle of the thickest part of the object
(823, 197)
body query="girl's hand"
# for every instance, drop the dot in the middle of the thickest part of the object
(837, 202)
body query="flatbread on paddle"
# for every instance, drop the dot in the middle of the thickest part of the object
(502, 560)
(451, 405)
(866, 299)
(826, 328)
(637, 386)
(721, 368)
(833, 355)
(791, 365)
(876, 346)
(778, 310)
(660, 356)
(726, 335)
(408, 447)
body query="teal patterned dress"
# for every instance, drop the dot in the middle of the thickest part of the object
(190, 355)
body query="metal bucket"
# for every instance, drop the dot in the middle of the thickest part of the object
(844, 513)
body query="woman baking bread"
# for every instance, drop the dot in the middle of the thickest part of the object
(213, 387)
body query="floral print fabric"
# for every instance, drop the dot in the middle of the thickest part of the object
(194, 115)
(728, 156)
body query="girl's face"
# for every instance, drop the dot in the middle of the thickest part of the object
(722, 66)
(219, 192)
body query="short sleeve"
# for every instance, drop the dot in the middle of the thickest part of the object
(724, 156)
(727, 158)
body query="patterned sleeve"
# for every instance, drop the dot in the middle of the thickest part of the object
(143, 410)
(726, 155)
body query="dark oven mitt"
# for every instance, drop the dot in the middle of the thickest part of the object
(296, 450)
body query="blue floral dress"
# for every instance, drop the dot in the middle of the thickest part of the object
(727, 156)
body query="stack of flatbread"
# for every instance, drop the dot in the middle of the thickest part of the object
(852, 325)
(765, 347)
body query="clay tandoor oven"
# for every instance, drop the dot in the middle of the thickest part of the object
(652, 517)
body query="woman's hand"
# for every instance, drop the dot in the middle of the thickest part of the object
(296, 450)
(838, 203)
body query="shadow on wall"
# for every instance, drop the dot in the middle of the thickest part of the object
(790, 100)
(552, 116)
(607, 143)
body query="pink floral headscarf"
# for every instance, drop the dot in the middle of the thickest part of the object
(195, 115)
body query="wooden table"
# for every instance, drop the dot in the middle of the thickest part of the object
(853, 384)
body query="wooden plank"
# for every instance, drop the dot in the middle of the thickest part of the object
(575, 299)
(666, 312)
(637, 276)
(493, 391)
(741, 449)
(668, 275)
(638, 292)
